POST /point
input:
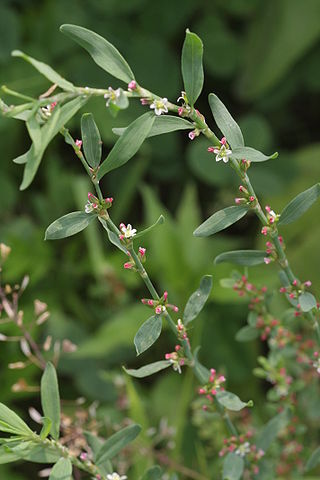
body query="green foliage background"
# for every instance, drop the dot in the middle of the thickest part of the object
(262, 59)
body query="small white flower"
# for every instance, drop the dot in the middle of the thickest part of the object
(116, 476)
(243, 449)
(112, 96)
(222, 153)
(89, 207)
(160, 106)
(128, 231)
(316, 365)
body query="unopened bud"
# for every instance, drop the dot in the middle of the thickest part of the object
(4, 251)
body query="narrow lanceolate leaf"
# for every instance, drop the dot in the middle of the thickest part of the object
(6, 456)
(148, 369)
(47, 425)
(46, 71)
(128, 144)
(62, 470)
(197, 300)
(251, 154)
(148, 333)
(299, 205)
(91, 140)
(313, 461)
(103, 52)
(160, 221)
(225, 122)
(191, 66)
(32, 452)
(11, 422)
(50, 398)
(247, 333)
(68, 225)
(220, 220)
(34, 131)
(231, 401)
(163, 124)
(233, 466)
(116, 443)
(242, 257)
(307, 301)
(271, 430)
(201, 372)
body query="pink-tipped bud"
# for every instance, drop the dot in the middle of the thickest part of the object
(283, 290)
(142, 251)
(108, 200)
(295, 283)
(211, 149)
(223, 141)
(268, 209)
(132, 85)
(53, 105)
(316, 354)
(242, 188)
(181, 362)
(180, 111)
(192, 135)
(128, 265)
(267, 260)
(144, 101)
(280, 239)
(165, 296)
(177, 348)
(251, 198)
(78, 143)
(264, 289)
(204, 407)
(214, 391)
(221, 378)
(292, 295)
(168, 356)
(150, 302)
(202, 391)
(83, 456)
(307, 283)
(264, 230)
(238, 200)
(158, 309)
(91, 197)
(175, 308)
(212, 371)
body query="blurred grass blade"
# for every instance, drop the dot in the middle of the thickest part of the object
(197, 300)
(163, 124)
(50, 398)
(220, 220)
(103, 53)
(128, 144)
(233, 466)
(227, 125)
(148, 369)
(68, 225)
(252, 155)
(148, 333)
(271, 430)
(91, 140)
(242, 257)
(191, 66)
(116, 443)
(299, 205)
(46, 71)
(62, 470)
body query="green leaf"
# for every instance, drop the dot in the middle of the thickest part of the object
(201, 372)
(6, 456)
(191, 66)
(32, 452)
(251, 154)
(116, 443)
(147, 370)
(103, 53)
(10, 422)
(299, 205)
(160, 221)
(197, 300)
(241, 257)
(62, 470)
(47, 425)
(307, 301)
(50, 129)
(46, 71)
(233, 466)
(113, 237)
(128, 144)
(313, 461)
(231, 401)
(163, 124)
(68, 225)
(271, 430)
(225, 122)
(50, 398)
(91, 140)
(34, 131)
(220, 220)
(153, 473)
(247, 333)
(148, 333)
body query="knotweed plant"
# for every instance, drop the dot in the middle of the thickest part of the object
(292, 361)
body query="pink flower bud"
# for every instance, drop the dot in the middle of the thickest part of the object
(264, 230)
(267, 260)
(158, 309)
(144, 101)
(239, 200)
(180, 111)
(264, 289)
(307, 283)
(242, 189)
(252, 199)
(177, 348)
(268, 209)
(128, 265)
(295, 283)
(223, 141)
(214, 392)
(192, 135)
(83, 456)
(79, 143)
(211, 149)
(150, 302)
(142, 251)
(175, 308)
(201, 391)
(132, 85)
(165, 296)
(53, 105)
(283, 290)
(292, 295)
(168, 356)
(109, 200)
(221, 378)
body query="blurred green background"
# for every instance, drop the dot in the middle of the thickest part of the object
(263, 60)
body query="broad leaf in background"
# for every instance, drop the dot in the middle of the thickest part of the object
(197, 300)
(62, 470)
(116, 443)
(247, 333)
(313, 461)
(191, 66)
(271, 430)
(251, 154)
(50, 398)
(128, 144)
(46, 71)
(91, 140)
(68, 225)
(153, 473)
(103, 53)
(148, 333)
(10, 422)
(220, 220)
(147, 370)
(225, 122)
(307, 301)
(242, 257)
(299, 205)
(233, 466)
(231, 401)
(163, 124)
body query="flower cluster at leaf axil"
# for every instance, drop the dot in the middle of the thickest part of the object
(212, 387)
(272, 219)
(277, 375)
(112, 96)
(241, 446)
(161, 305)
(131, 264)
(47, 111)
(94, 205)
(159, 106)
(222, 153)
(127, 232)
(247, 198)
(176, 358)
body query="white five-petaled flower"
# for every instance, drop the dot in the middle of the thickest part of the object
(116, 476)
(160, 106)
(112, 96)
(223, 153)
(127, 231)
(243, 449)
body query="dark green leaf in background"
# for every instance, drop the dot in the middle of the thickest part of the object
(299, 205)
(191, 66)
(197, 300)
(116, 443)
(225, 122)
